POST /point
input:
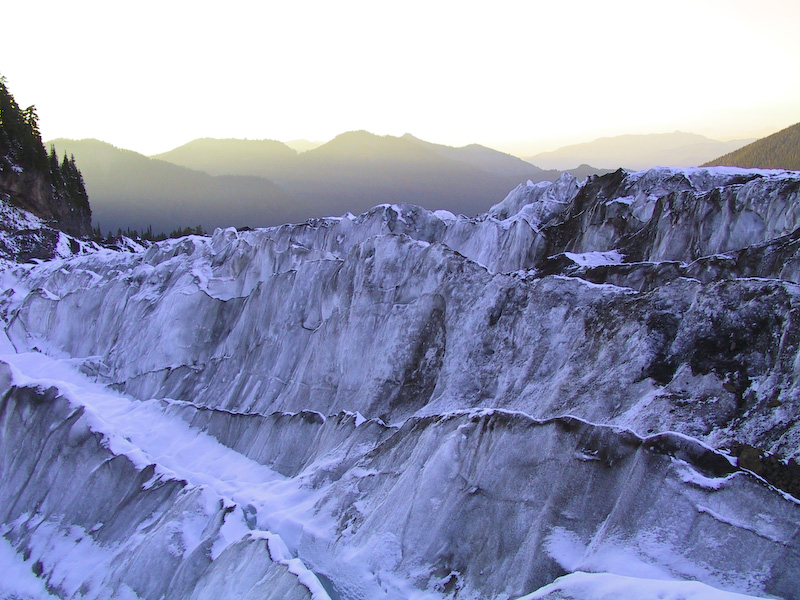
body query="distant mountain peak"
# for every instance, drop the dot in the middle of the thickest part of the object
(362, 144)
(358, 134)
(231, 144)
(638, 151)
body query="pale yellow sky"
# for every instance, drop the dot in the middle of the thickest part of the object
(521, 76)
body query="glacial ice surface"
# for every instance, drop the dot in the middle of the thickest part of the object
(588, 392)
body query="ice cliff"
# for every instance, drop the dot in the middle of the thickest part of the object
(592, 389)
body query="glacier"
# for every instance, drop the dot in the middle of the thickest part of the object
(588, 392)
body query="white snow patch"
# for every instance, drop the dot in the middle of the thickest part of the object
(360, 419)
(279, 553)
(689, 475)
(63, 249)
(571, 554)
(49, 295)
(445, 215)
(18, 580)
(596, 259)
(626, 200)
(399, 212)
(566, 548)
(607, 586)
(233, 529)
(68, 554)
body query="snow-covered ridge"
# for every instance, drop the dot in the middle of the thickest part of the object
(451, 407)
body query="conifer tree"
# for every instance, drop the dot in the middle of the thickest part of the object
(56, 178)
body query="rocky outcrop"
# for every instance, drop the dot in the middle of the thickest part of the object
(33, 191)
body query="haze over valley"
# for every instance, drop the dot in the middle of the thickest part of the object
(259, 183)
(637, 152)
(249, 183)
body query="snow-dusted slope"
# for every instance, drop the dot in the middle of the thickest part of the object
(26, 237)
(414, 404)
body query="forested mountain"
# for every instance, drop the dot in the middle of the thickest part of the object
(778, 151)
(35, 180)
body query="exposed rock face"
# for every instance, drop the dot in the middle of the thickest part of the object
(456, 407)
(33, 192)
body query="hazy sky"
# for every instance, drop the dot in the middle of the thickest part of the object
(150, 75)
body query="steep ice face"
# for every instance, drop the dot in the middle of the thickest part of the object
(113, 498)
(484, 503)
(445, 406)
(391, 326)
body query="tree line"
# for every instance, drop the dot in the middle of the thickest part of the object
(145, 235)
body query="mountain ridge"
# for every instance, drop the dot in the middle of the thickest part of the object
(638, 151)
(350, 173)
(253, 153)
(781, 150)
